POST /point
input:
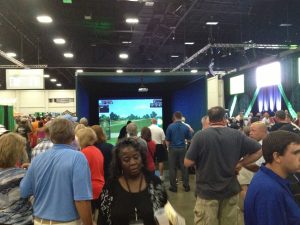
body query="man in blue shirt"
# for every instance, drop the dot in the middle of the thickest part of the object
(60, 181)
(176, 134)
(269, 199)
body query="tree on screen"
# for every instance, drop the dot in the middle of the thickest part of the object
(153, 114)
(114, 116)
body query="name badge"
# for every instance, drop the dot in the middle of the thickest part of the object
(136, 222)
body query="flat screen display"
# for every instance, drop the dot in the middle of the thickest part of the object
(268, 75)
(114, 114)
(24, 79)
(237, 85)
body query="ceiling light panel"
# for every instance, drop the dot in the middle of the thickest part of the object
(212, 23)
(189, 43)
(44, 19)
(157, 71)
(11, 54)
(68, 55)
(53, 80)
(119, 71)
(132, 20)
(123, 56)
(285, 25)
(126, 42)
(46, 75)
(59, 41)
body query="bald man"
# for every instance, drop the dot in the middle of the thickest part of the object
(258, 131)
(205, 122)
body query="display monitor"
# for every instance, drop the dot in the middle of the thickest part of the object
(268, 75)
(24, 79)
(114, 114)
(237, 85)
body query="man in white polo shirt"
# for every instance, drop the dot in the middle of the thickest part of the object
(161, 155)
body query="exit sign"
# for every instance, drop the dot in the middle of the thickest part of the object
(67, 1)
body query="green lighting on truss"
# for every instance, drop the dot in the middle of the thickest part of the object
(287, 102)
(102, 26)
(233, 105)
(293, 46)
(67, 1)
(252, 102)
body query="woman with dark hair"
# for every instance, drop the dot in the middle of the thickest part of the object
(105, 148)
(146, 135)
(133, 194)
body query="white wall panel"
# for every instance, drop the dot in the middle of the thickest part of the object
(31, 101)
(215, 92)
(32, 98)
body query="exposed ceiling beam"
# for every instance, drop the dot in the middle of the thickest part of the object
(177, 24)
(17, 62)
(195, 55)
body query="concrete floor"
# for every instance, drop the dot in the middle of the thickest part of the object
(183, 202)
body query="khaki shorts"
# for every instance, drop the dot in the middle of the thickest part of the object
(217, 212)
(38, 221)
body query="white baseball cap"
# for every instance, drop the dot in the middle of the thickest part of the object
(3, 130)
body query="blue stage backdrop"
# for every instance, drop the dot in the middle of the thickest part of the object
(82, 101)
(192, 102)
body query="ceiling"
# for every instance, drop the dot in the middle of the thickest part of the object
(164, 26)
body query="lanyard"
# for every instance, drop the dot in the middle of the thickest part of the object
(140, 188)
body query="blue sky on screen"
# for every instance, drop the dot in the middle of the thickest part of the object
(138, 107)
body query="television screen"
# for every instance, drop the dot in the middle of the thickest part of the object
(114, 114)
(237, 85)
(24, 79)
(268, 75)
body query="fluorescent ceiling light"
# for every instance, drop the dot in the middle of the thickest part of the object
(149, 3)
(133, 0)
(58, 85)
(132, 20)
(189, 43)
(143, 89)
(46, 75)
(44, 19)
(194, 71)
(79, 71)
(285, 25)
(123, 56)
(211, 23)
(157, 71)
(126, 42)
(53, 80)
(59, 41)
(174, 56)
(11, 54)
(88, 17)
(119, 71)
(68, 55)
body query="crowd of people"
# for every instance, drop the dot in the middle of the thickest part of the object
(59, 171)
